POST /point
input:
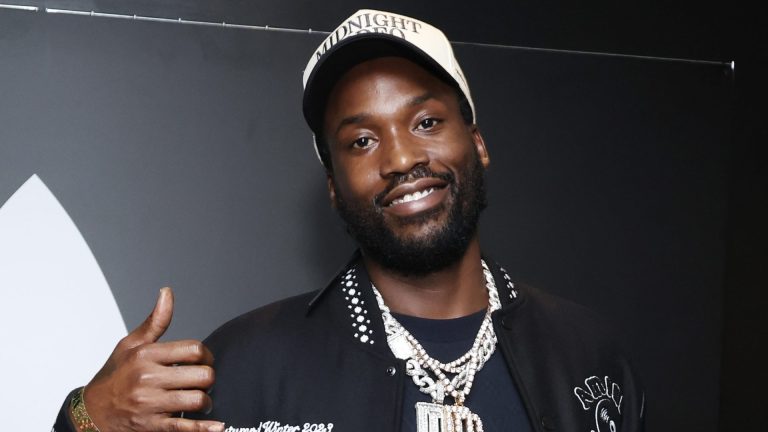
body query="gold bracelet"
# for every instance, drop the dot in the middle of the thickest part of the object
(80, 415)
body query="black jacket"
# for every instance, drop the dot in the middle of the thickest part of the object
(319, 362)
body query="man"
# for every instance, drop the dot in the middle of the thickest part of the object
(418, 332)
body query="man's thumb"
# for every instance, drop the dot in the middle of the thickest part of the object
(158, 321)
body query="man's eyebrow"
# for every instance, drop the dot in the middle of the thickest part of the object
(418, 100)
(353, 119)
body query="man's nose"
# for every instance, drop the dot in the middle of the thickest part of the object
(401, 153)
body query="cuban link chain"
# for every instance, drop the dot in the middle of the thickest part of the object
(435, 416)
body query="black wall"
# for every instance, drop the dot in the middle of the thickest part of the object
(629, 185)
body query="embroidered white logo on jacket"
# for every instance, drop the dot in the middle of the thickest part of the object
(603, 397)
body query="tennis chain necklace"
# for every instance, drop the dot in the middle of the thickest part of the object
(437, 416)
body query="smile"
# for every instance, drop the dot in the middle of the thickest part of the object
(412, 196)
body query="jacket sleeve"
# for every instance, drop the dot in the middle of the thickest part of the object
(63, 422)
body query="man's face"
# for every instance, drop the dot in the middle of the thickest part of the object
(407, 170)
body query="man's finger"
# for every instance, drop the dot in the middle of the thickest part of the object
(185, 401)
(177, 352)
(184, 377)
(186, 425)
(156, 323)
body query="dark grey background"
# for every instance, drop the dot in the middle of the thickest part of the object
(181, 154)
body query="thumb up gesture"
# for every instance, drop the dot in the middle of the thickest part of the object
(144, 382)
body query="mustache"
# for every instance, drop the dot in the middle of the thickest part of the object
(418, 172)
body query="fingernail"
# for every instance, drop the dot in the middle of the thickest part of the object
(216, 428)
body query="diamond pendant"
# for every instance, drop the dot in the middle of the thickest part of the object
(433, 417)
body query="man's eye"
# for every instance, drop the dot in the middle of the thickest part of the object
(361, 142)
(427, 123)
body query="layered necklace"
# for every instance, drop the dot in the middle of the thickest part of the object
(432, 376)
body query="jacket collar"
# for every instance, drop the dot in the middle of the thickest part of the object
(354, 260)
(508, 292)
(353, 303)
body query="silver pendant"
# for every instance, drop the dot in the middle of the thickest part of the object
(433, 417)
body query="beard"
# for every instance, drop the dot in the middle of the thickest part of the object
(440, 246)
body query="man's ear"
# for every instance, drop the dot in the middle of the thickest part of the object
(482, 151)
(331, 190)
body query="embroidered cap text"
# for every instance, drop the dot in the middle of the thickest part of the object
(370, 23)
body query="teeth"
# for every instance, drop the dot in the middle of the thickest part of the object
(412, 197)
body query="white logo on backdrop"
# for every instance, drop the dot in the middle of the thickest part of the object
(58, 319)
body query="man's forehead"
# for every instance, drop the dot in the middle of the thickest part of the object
(363, 116)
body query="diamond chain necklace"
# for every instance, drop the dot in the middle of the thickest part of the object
(436, 416)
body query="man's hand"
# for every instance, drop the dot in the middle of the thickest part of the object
(144, 381)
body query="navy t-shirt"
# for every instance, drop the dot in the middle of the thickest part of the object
(493, 397)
